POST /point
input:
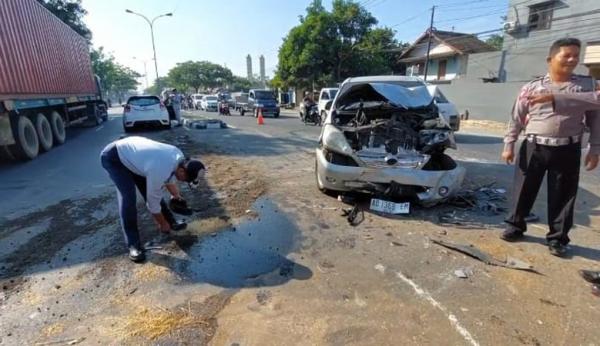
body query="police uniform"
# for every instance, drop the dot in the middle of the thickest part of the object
(552, 145)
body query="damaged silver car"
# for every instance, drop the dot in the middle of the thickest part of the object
(384, 135)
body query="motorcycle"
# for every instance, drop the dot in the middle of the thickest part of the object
(224, 108)
(312, 115)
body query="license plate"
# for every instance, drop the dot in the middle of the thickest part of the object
(388, 207)
(213, 125)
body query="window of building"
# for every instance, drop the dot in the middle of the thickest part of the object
(421, 69)
(540, 16)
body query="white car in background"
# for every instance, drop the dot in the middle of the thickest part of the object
(210, 103)
(145, 111)
(326, 94)
(197, 100)
(447, 109)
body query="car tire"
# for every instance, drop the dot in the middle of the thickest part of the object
(127, 129)
(242, 112)
(256, 112)
(276, 115)
(44, 132)
(27, 146)
(57, 124)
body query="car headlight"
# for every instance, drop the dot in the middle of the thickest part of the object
(260, 105)
(334, 139)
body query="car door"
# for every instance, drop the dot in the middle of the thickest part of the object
(251, 100)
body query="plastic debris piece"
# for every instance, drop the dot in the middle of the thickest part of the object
(472, 251)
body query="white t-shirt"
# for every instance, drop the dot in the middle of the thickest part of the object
(154, 160)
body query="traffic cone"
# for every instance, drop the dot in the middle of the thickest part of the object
(260, 120)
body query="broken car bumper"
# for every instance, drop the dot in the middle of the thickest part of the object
(429, 187)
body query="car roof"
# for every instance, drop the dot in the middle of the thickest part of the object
(141, 96)
(329, 89)
(374, 79)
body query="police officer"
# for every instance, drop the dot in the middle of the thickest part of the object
(148, 165)
(552, 145)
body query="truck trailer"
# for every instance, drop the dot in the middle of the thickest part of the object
(46, 80)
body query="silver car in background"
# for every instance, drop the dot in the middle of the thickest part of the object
(385, 135)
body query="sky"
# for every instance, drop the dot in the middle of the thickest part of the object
(225, 31)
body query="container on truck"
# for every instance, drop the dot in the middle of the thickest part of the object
(46, 80)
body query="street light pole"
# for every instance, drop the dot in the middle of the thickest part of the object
(151, 23)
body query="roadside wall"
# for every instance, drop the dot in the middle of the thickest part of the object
(484, 101)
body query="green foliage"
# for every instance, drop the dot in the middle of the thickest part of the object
(495, 41)
(327, 47)
(240, 84)
(156, 88)
(71, 12)
(115, 78)
(193, 75)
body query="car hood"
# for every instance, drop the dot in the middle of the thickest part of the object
(375, 93)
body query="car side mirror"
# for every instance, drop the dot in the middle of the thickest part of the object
(328, 105)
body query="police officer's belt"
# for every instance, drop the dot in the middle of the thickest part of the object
(553, 141)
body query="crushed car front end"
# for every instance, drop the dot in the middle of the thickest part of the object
(387, 138)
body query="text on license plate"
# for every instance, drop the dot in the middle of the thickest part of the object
(389, 207)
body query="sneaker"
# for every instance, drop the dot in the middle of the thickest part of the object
(512, 235)
(136, 254)
(557, 248)
(179, 225)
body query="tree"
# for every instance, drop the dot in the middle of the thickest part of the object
(193, 75)
(327, 47)
(115, 78)
(155, 89)
(495, 41)
(240, 84)
(71, 12)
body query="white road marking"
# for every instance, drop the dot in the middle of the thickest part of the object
(99, 128)
(451, 317)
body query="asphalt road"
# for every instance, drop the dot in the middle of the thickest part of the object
(270, 260)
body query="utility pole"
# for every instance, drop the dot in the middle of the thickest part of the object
(430, 32)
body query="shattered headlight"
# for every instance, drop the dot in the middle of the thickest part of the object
(437, 137)
(335, 140)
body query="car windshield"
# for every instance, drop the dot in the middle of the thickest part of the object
(408, 94)
(143, 101)
(263, 94)
(211, 98)
(332, 93)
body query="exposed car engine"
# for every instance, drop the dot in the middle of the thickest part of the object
(383, 134)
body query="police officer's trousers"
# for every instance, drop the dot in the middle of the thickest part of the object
(562, 165)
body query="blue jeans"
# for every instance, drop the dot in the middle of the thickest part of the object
(126, 182)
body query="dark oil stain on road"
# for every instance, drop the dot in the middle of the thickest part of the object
(252, 254)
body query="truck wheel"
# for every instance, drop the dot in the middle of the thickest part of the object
(58, 128)
(27, 145)
(242, 112)
(44, 132)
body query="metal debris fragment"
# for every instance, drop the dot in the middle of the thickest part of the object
(354, 215)
(484, 198)
(472, 251)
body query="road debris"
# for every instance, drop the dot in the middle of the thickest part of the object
(484, 198)
(205, 124)
(380, 268)
(61, 342)
(472, 251)
(354, 215)
(463, 273)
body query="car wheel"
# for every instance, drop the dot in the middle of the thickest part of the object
(276, 115)
(256, 112)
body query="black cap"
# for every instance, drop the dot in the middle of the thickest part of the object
(192, 167)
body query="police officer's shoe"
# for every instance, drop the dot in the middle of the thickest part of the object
(178, 225)
(512, 235)
(136, 254)
(590, 276)
(557, 248)
(596, 290)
